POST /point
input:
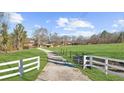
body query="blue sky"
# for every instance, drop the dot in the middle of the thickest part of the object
(70, 23)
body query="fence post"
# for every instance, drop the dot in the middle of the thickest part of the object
(70, 54)
(63, 51)
(78, 59)
(84, 63)
(38, 63)
(106, 66)
(66, 52)
(91, 61)
(20, 68)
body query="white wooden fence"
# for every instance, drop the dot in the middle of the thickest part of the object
(20, 67)
(105, 63)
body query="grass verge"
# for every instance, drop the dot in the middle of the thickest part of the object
(29, 76)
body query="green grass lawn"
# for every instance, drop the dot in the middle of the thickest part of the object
(29, 76)
(106, 50)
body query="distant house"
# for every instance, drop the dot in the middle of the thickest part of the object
(29, 43)
(48, 45)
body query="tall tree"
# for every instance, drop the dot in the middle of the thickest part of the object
(66, 39)
(19, 36)
(55, 39)
(94, 39)
(104, 37)
(121, 37)
(73, 40)
(4, 35)
(80, 39)
(41, 36)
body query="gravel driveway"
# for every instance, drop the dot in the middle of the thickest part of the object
(57, 69)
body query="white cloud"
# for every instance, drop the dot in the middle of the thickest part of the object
(69, 29)
(73, 23)
(80, 23)
(84, 33)
(62, 22)
(37, 26)
(115, 25)
(121, 22)
(114, 30)
(78, 33)
(12, 17)
(118, 23)
(15, 18)
(118, 26)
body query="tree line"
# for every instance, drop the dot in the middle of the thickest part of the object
(14, 40)
(41, 37)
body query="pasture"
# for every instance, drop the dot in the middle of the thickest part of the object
(105, 50)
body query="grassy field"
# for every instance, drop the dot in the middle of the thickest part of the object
(106, 50)
(29, 76)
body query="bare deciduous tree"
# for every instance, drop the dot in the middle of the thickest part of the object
(55, 39)
(41, 36)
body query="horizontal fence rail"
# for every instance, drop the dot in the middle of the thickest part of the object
(21, 67)
(104, 63)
